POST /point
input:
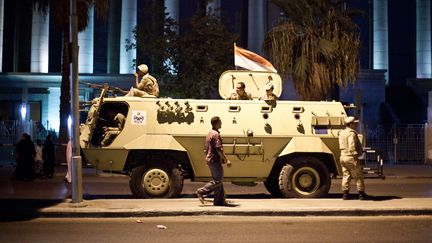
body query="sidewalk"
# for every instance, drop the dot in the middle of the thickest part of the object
(244, 207)
(48, 200)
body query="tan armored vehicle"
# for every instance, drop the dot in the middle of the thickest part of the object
(291, 146)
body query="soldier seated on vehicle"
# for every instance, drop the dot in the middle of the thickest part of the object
(111, 132)
(240, 93)
(147, 86)
(268, 95)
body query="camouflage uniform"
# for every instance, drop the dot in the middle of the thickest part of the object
(112, 132)
(269, 97)
(351, 149)
(245, 96)
(147, 86)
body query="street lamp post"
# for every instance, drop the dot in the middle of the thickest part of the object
(77, 195)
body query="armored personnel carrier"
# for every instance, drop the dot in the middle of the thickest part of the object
(291, 146)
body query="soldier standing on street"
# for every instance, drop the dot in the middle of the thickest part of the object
(351, 149)
(240, 93)
(112, 132)
(215, 157)
(148, 84)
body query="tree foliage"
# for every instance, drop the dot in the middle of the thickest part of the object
(189, 64)
(155, 40)
(317, 44)
(204, 53)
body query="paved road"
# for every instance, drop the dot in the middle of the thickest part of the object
(221, 229)
(106, 185)
(116, 186)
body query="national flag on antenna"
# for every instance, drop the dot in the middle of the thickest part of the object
(251, 61)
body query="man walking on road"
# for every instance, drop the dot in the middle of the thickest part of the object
(215, 157)
(351, 149)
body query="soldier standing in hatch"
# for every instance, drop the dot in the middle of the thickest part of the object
(268, 95)
(351, 149)
(111, 132)
(148, 84)
(240, 93)
(215, 157)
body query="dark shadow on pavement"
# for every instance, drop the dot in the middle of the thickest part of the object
(119, 196)
(382, 198)
(24, 209)
(229, 205)
(355, 196)
(239, 196)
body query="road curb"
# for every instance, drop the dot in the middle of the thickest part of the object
(318, 212)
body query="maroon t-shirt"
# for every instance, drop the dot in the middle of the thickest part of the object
(213, 144)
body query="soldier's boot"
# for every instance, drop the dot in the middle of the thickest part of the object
(363, 195)
(346, 195)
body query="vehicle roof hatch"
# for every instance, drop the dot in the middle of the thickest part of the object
(255, 82)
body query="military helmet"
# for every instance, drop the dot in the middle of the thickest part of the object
(350, 120)
(143, 68)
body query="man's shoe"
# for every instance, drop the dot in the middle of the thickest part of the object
(346, 195)
(363, 195)
(200, 197)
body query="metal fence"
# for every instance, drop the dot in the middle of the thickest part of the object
(398, 144)
(10, 134)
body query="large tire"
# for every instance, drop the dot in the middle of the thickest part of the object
(304, 177)
(155, 181)
(272, 186)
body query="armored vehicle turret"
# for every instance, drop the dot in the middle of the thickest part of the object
(291, 146)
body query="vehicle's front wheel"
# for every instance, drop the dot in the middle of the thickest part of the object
(304, 177)
(154, 181)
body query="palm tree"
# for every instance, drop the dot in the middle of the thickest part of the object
(60, 13)
(316, 44)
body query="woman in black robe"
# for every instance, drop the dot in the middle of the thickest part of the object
(25, 154)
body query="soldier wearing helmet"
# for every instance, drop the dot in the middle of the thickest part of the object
(148, 84)
(351, 149)
(111, 132)
(269, 95)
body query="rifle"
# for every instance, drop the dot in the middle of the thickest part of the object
(113, 90)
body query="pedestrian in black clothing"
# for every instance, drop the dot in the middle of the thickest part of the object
(48, 153)
(25, 154)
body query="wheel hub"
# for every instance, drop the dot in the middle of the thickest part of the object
(155, 182)
(306, 180)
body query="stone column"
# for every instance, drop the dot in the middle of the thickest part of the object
(39, 42)
(127, 24)
(214, 6)
(380, 36)
(86, 48)
(256, 25)
(423, 39)
(1, 33)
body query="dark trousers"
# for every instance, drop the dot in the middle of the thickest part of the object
(215, 185)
